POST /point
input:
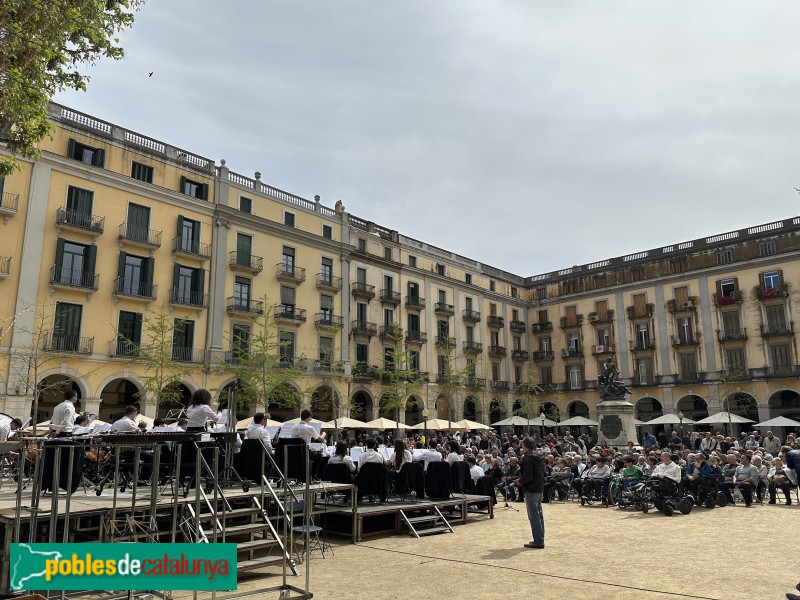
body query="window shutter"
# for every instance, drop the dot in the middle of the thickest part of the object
(71, 148)
(736, 283)
(91, 259)
(183, 185)
(121, 269)
(761, 280)
(59, 253)
(204, 191)
(136, 334)
(196, 236)
(180, 226)
(176, 274)
(780, 276)
(99, 158)
(719, 288)
(149, 265)
(200, 278)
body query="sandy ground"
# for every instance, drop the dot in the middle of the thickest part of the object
(591, 553)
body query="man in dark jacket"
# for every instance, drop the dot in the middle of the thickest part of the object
(532, 485)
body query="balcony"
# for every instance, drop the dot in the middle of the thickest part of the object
(363, 328)
(245, 306)
(327, 321)
(530, 389)
(139, 236)
(9, 204)
(731, 336)
(363, 373)
(642, 379)
(390, 332)
(329, 283)
(135, 289)
(190, 249)
(601, 349)
(390, 297)
(733, 297)
(289, 315)
(543, 355)
(572, 353)
(58, 343)
(415, 303)
(567, 323)
(519, 355)
(501, 386)
(327, 367)
(687, 306)
(497, 351)
(69, 279)
(471, 316)
(416, 337)
(188, 355)
(542, 327)
(180, 297)
(79, 221)
(235, 357)
(474, 383)
(495, 322)
(442, 308)
(242, 261)
(640, 346)
(518, 326)
(768, 293)
(599, 319)
(692, 340)
(777, 330)
(784, 371)
(473, 347)
(689, 377)
(363, 290)
(5, 266)
(640, 313)
(122, 349)
(287, 272)
(444, 342)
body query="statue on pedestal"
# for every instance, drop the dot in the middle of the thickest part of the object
(611, 388)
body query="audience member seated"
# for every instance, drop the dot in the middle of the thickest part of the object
(779, 480)
(558, 481)
(509, 486)
(696, 470)
(475, 472)
(596, 481)
(745, 479)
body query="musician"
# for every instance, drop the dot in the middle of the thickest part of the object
(341, 456)
(81, 425)
(7, 430)
(304, 429)
(257, 430)
(431, 454)
(63, 419)
(200, 411)
(126, 424)
(370, 455)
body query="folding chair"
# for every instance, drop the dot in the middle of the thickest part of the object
(317, 538)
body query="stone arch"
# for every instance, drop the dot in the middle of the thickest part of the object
(692, 406)
(470, 410)
(443, 407)
(497, 410)
(577, 408)
(784, 403)
(743, 404)
(117, 393)
(413, 409)
(222, 388)
(83, 388)
(284, 401)
(325, 402)
(362, 406)
(648, 408)
(551, 411)
(52, 386)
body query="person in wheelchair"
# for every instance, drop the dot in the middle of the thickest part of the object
(558, 482)
(632, 474)
(667, 475)
(596, 481)
(695, 472)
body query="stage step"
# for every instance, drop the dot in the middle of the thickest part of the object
(423, 519)
(255, 545)
(231, 514)
(433, 530)
(434, 522)
(246, 565)
(245, 529)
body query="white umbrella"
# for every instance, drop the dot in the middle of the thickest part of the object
(344, 423)
(148, 421)
(779, 422)
(722, 418)
(437, 425)
(245, 423)
(467, 424)
(382, 423)
(669, 419)
(637, 422)
(296, 420)
(578, 422)
(515, 420)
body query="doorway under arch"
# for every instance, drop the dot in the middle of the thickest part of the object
(115, 397)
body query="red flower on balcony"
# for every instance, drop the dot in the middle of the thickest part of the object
(769, 293)
(726, 300)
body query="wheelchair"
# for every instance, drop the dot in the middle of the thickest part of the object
(709, 493)
(625, 497)
(663, 495)
(592, 496)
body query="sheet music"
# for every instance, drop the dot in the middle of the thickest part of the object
(317, 447)
(272, 430)
(317, 427)
(286, 430)
(384, 451)
(355, 453)
(101, 428)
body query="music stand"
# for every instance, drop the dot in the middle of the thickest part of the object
(229, 474)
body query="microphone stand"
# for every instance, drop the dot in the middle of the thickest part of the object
(506, 505)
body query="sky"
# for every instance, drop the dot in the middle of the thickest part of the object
(530, 135)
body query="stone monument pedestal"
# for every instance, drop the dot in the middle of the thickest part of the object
(615, 422)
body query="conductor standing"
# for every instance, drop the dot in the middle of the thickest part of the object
(532, 484)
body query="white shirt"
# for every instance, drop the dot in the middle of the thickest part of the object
(256, 431)
(428, 456)
(407, 457)
(369, 456)
(336, 459)
(304, 430)
(63, 419)
(670, 471)
(453, 457)
(198, 414)
(476, 473)
(5, 430)
(222, 417)
(125, 425)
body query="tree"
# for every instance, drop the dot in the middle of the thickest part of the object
(264, 365)
(529, 395)
(452, 377)
(43, 43)
(398, 378)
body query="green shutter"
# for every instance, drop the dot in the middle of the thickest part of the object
(204, 191)
(176, 272)
(91, 260)
(71, 148)
(99, 158)
(136, 334)
(183, 185)
(121, 269)
(149, 266)
(200, 281)
(180, 225)
(196, 237)
(59, 253)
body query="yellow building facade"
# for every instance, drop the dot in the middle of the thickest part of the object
(111, 227)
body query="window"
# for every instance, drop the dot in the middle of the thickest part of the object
(67, 327)
(735, 363)
(781, 357)
(142, 172)
(684, 330)
(326, 351)
(575, 377)
(468, 278)
(491, 285)
(633, 274)
(517, 375)
(600, 281)
(731, 324)
(244, 249)
(194, 189)
(287, 260)
(413, 292)
(74, 264)
(86, 154)
(388, 283)
(286, 349)
(361, 313)
(687, 363)
(495, 371)
(129, 333)
(361, 275)
(546, 375)
(603, 337)
(188, 285)
(362, 245)
(541, 293)
(543, 316)
(388, 317)
(326, 307)
(135, 275)
(387, 253)
(327, 232)
(413, 323)
(241, 293)
(443, 330)
(440, 269)
(544, 343)
(362, 354)
(413, 360)
(287, 300)
(470, 337)
(79, 208)
(573, 342)
(772, 279)
(678, 265)
(388, 358)
(470, 370)
(776, 318)
(569, 286)
(640, 308)
(183, 340)
(514, 314)
(514, 293)
(468, 303)
(494, 336)
(288, 219)
(442, 297)
(493, 309)
(644, 371)
(642, 336)
(137, 227)
(412, 261)
(188, 236)
(727, 287)
(768, 248)
(516, 342)
(723, 257)
(240, 342)
(245, 204)
(326, 271)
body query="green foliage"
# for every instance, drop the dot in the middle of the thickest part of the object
(397, 380)
(44, 44)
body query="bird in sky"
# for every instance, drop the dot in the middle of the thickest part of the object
(151, 74)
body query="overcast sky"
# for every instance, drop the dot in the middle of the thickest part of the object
(529, 135)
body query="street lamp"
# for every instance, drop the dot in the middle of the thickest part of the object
(425, 416)
(541, 415)
(680, 417)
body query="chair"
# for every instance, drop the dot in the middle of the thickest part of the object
(317, 538)
(67, 447)
(411, 481)
(249, 463)
(373, 480)
(294, 451)
(460, 479)
(437, 481)
(485, 487)
(337, 473)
